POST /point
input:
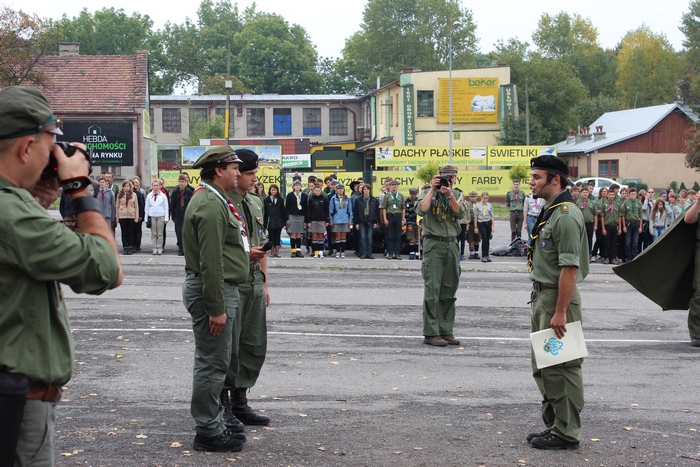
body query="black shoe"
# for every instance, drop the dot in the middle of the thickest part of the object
(180, 253)
(552, 442)
(232, 423)
(532, 436)
(369, 256)
(243, 412)
(225, 442)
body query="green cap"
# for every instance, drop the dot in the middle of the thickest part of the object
(25, 111)
(448, 169)
(216, 155)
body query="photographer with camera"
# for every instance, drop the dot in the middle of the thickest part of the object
(441, 210)
(37, 254)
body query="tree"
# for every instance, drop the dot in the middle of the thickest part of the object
(690, 27)
(513, 132)
(519, 172)
(563, 35)
(24, 39)
(395, 34)
(276, 57)
(202, 129)
(692, 148)
(107, 31)
(648, 69)
(592, 108)
(337, 77)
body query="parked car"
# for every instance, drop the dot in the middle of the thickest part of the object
(601, 182)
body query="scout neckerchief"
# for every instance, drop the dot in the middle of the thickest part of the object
(441, 206)
(366, 207)
(562, 198)
(227, 202)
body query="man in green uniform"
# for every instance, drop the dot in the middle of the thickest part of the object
(250, 327)
(558, 259)
(392, 212)
(441, 210)
(631, 220)
(37, 254)
(216, 262)
(515, 199)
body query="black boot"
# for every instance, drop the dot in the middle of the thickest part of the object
(230, 420)
(240, 408)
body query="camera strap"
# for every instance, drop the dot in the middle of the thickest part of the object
(75, 185)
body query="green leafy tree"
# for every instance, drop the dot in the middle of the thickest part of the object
(24, 39)
(276, 57)
(337, 77)
(107, 32)
(395, 34)
(564, 35)
(513, 131)
(690, 27)
(217, 85)
(692, 148)
(519, 172)
(648, 69)
(426, 173)
(591, 109)
(202, 129)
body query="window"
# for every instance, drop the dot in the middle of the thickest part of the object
(172, 121)
(338, 124)
(282, 122)
(152, 120)
(115, 169)
(312, 121)
(170, 155)
(608, 169)
(425, 104)
(255, 122)
(222, 113)
(197, 116)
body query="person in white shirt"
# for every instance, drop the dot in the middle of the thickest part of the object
(157, 214)
(532, 208)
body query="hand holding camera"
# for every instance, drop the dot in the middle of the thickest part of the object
(63, 166)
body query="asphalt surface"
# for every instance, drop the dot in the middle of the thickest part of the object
(348, 382)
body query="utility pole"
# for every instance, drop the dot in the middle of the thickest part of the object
(527, 113)
(228, 85)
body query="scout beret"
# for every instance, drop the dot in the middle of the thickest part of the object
(216, 155)
(448, 169)
(550, 164)
(25, 111)
(249, 160)
(473, 193)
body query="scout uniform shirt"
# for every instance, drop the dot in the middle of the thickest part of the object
(215, 246)
(588, 209)
(35, 335)
(560, 243)
(609, 212)
(440, 220)
(254, 225)
(631, 210)
(394, 204)
(515, 200)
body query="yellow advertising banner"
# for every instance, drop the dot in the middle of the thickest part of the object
(516, 155)
(170, 178)
(474, 100)
(495, 182)
(413, 156)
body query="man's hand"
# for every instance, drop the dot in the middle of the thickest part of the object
(71, 167)
(558, 324)
(217, 323)
(45, 192)
(257, 253)
(446, 191)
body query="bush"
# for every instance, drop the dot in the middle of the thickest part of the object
(426, 174)
(519, 172)
(683, 187)
(674, 185)
(696, 186)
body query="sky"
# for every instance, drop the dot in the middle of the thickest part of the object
(330, 22)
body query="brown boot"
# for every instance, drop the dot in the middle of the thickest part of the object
(450, 339)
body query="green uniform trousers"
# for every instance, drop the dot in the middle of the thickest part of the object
(441, 271)
(212, 355)
(694, 312)
(249, 334)
(561, 385)
(35, 444)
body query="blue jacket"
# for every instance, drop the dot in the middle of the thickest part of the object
(340, 215)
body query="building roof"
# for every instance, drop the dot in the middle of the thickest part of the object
(253, 98)
(622, 125)
(96, 84)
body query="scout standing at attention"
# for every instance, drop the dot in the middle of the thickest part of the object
(558, 259)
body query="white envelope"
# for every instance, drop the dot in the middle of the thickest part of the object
(550, 350)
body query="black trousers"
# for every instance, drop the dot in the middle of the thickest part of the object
(610, 242)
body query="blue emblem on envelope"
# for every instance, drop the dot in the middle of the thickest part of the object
(553, 345)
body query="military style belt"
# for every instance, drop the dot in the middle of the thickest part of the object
(45, 393)
(532, 215)
(199, 275)
(441, 239)
(539, 287)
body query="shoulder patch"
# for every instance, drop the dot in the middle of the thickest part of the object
(565, 208)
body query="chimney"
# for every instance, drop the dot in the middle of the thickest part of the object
(68, 49)
(599, 133)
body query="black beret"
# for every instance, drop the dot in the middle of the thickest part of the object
(249, 160)
(550, 164)
(25, 111)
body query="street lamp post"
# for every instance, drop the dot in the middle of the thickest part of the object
(456, 24)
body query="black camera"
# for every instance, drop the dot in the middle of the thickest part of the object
(445, 180)
(51, 169)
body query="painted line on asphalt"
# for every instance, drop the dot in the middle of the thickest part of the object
(381, 336)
